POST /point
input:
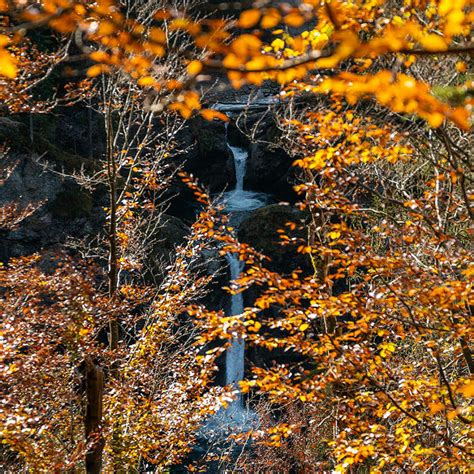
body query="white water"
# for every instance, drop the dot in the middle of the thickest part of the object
(240, 162)
(238, 203)
(239, 199)
(235, 355)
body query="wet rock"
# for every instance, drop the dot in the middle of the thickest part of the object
(268, 169)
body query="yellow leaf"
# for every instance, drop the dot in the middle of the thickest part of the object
(146, 81)
(303, 327)
(8, 67)
(4, 40)
(249, 18)
(397, 20)
(435, 119)
(262, 303)
(278, 44)
(255, 327)
(334, 234)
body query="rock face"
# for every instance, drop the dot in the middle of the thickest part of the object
(58, 207)
(260, 231)
(73, 137)
(170, 233)
(209, 158)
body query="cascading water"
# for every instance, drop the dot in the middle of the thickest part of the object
(235, 355)
(238, 203)
(240, 164)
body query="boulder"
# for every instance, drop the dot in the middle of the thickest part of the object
(260, 228)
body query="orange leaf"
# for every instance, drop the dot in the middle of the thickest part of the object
(436, 407)
(249, 18)
(294, 19)
(271, 19)
(433, 43)
(194, 68)
(8, 67)
(468, 390)
(209, 114)
(435, 119)
(158, 35)
(161, 15)
(97, 69)
(107, 28)
(246, 45)
(99, 56)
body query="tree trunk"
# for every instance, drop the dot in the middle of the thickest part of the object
(94, 393)
(113, 245)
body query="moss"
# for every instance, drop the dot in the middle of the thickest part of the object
(210, 136)
(62, 159)
(453, 95)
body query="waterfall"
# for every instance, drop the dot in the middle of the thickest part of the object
(240, 162)
(235, 355)
(238, 203)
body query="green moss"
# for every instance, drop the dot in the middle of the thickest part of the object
(453, 95)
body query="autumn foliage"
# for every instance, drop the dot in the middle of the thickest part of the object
(372, 336)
